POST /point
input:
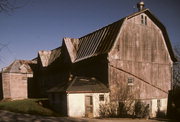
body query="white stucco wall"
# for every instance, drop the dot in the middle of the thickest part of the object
(76, 103)
(163, 106)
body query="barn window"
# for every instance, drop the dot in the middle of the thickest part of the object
(145, 21)
(142, 19)
(130, 81)
(101, 97)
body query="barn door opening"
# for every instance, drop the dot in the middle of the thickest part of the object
(88, 106)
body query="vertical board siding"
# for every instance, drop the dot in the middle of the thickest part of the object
(144, 56)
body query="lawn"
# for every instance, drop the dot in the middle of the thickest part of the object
(29, 106)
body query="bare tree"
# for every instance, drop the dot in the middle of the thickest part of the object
(10, 5)
(177, 51)
(176, 77)
(176, 70)
(6, 6)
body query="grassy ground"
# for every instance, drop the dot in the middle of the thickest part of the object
(29, 106)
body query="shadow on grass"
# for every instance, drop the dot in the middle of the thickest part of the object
(6, 116)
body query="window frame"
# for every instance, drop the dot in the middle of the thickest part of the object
(130, 81)
(101, 97)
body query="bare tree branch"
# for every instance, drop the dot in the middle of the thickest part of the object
(10, 5)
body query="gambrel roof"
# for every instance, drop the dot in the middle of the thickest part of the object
(102, 40)
(93, 44)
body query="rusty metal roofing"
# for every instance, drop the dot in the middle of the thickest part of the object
(19, 66)
(48, 57)
(81, 85)
(93, 44)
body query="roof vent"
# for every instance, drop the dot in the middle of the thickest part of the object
(140, 5)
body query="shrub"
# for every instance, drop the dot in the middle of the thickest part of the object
(108, 110)
(125, 109)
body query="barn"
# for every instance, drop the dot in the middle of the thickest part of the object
(133, 57)
(128, 61)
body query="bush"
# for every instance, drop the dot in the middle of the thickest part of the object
(125, 109)
(108, 110)
(141, 110)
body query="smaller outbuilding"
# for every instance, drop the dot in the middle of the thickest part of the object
(80, 97)
(17, 78)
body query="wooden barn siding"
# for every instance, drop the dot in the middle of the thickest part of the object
(140, 53)
(15, 85)
(6, 85)
(1, 87)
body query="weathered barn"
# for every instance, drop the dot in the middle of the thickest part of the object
(132, 56)
(17, 79)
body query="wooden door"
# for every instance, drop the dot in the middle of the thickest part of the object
(88, 106)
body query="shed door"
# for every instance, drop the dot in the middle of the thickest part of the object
(88, 106)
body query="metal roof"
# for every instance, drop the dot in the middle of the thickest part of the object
(93, 44)
(81, 85)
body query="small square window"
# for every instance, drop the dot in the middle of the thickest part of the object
(130, 81)
(101, 97)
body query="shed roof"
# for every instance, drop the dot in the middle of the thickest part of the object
(19, 66)
(102, 40)
(81, 85)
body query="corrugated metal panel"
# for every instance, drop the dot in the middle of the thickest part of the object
(96, 43)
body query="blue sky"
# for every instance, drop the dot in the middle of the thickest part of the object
(41, 24)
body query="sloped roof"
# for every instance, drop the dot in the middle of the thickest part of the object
(102, 40)
(81, 85)
(19, 66)
(59, 88)
(93, 44)
(47, 57)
